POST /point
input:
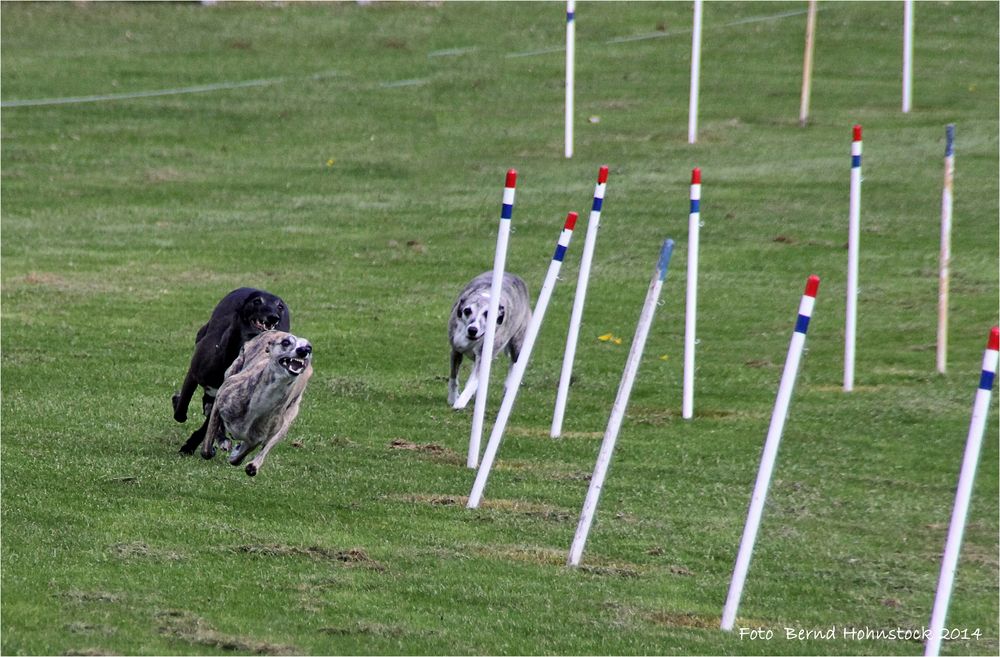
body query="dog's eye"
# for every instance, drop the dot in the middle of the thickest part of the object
(467, 312)
(286, 343)
(258, 301)
(281, 307)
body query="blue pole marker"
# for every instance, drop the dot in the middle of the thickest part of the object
(666, 251)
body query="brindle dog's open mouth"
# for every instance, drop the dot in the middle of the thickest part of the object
(295, 366)
(262, 325)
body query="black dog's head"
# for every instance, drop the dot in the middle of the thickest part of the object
(262, 311)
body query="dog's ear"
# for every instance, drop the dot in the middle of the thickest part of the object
(500, 316)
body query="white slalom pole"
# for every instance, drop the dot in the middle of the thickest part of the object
(770, 453)
(691, 307)
(621, 402)
(907, 54)
(807, 64)
(578, 300)
(944, 276)
(966, 477)
(517, 372)
(570, 66)
(695, 74)
(496, 288)
(853, 237)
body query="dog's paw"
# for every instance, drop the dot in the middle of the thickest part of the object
(251, 470)
(208, 453)
(186, 451)
(179, 414)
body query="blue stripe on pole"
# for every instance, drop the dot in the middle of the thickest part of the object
(569, 16)
(802, 324)
(855, 160)
(598, 202)
(507, 211)
(560, 253)
(665, 252)
(949, 147)
(695, 205)
(986, 380)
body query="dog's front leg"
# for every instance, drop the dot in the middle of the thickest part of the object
(470, 388)
(456, 362)
(196, 438)
(182, 398)
(254, 465)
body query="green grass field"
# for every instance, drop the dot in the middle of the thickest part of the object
(360, 177)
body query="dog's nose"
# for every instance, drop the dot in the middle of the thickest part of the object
(302, 352)
(472, 331)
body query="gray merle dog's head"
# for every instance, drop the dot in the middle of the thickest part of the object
(471, 312)
(262, 311)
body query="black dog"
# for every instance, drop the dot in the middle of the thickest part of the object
(242, 315)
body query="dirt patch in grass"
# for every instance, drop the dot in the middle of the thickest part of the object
(556, 557)
(365, 628)
(341, 441)
(575, 475)
(352, 557)
(184, 626)
(840, 388)
(533, 509)
(526, 554)
(436, 500)
(538, 432)
(433, 450)
(75, 595)
(611, 570)
(658, 416)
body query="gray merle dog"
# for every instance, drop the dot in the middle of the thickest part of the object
(467, 328)
(242, 315)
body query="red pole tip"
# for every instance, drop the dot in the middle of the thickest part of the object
(511, 178)
(602, 175)
(857, 133)
(696, 176)
(812, 286)
(570, 221)
(994, 342)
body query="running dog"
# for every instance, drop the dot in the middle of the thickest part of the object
(240, 316)
(467, 327)
(260, 397)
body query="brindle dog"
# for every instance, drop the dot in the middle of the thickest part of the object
(260, 397)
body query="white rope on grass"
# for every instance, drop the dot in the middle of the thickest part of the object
(224, 86)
